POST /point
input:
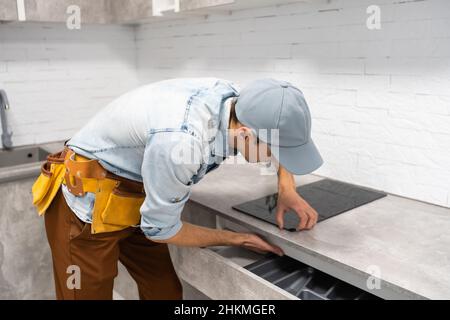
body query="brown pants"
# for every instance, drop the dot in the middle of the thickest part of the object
(75, 249)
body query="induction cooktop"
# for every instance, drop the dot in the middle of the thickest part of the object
(328, 197)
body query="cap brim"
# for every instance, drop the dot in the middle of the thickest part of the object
(299, 160)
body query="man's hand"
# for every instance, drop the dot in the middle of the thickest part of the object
(255, 243)
(289, 199)
(196, 236)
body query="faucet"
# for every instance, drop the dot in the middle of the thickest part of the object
(6, 135)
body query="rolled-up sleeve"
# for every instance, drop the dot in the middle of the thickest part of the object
(170, 161)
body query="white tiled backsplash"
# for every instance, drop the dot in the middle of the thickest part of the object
(56, 78)
(380, 99)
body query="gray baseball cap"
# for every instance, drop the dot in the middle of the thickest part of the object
(271, 104)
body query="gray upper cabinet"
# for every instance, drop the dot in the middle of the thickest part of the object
(100, 11)
(129, 11)
(133, 11)
(56, 10)
(192, 5)
(8, 10)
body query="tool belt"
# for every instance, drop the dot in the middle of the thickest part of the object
(117, 199)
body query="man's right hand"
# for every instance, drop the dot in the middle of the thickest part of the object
(257, 244)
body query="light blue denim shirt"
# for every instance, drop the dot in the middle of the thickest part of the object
(167, 135)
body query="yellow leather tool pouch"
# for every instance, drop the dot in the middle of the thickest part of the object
(117, 200)
(123, 208)
(115, 209)
(47, 185)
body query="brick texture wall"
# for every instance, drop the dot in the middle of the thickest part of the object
(51, 73)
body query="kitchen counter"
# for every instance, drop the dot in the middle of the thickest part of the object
(402, 244)
(28, 170)
(25, 258)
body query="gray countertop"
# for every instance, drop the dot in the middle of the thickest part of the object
(403, 242)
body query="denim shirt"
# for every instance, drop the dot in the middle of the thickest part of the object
(167, 135)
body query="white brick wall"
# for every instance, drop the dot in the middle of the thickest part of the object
(51, 73)
(380, 99)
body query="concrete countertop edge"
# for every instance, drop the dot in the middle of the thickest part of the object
(400, 291)
(20, 172)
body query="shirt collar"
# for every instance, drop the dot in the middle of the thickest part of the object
(221, 145)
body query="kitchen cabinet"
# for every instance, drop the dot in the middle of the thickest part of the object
(101, 11)
(234, 282)
(56, 10)
(129, 11)
(134, 11)
(8, 10)
(192, 5)
(241, 274)
(349, 247)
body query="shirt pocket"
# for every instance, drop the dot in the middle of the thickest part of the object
(200, 173)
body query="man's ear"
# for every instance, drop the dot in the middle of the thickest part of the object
(241, 133)
(244, 132)
(241, 136)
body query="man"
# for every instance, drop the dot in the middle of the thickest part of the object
(129, 171)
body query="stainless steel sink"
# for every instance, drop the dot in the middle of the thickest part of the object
(19, 156)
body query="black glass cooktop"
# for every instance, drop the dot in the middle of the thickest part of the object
(328, 197)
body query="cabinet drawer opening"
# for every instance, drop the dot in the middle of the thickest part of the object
(305, 282)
